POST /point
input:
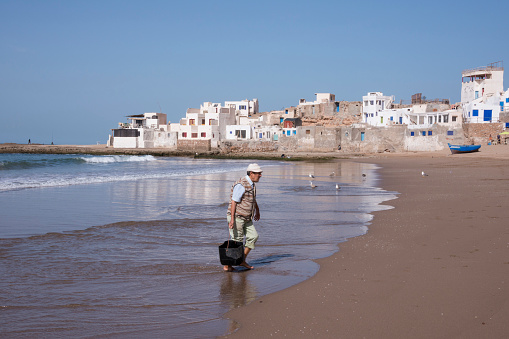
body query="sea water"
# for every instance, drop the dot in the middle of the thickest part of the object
(127, 246)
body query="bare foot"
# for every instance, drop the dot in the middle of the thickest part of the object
(246, 265)
(227, 268)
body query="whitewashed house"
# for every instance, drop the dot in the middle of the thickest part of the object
(373, 104)
(238, 132)
(206, 123)
(147, 130)
(482, 93)
(264, 132)
(243, 110)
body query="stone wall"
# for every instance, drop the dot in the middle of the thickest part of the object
(234, 146)
(480, 133)
(193, 145)
(331, 113)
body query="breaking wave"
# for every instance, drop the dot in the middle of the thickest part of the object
(108, 159)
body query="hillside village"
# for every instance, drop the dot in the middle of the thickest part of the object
(377, 123)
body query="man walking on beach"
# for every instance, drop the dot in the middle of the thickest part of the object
(242, 210)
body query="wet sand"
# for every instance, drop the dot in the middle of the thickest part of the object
(435, 266)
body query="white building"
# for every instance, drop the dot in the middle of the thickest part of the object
(264, 132)
(482, 93)
(238, 132)
(373, 104)
(147, 130)
(206, 123)
(243, 109)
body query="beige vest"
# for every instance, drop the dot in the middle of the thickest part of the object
(246, 207)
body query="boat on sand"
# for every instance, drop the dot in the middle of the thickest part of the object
(463, 148)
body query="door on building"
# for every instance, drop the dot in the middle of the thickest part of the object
(487, 114)
(362, 136)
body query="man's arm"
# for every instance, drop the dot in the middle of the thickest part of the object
(231, 224)
(256, 215)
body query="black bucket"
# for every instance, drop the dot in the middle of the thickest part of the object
(231, 253)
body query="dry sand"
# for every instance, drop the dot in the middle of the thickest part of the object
(435, 266)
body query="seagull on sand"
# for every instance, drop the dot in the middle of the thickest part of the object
(332, 174)
(424, 174)
(363, 174)
(312, 185)
(311, 175)
(337, 187)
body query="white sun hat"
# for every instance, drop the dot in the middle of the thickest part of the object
(254, 168)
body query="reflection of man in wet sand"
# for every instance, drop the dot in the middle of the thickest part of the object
(244, 208)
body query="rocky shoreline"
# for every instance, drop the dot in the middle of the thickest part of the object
(104, 150)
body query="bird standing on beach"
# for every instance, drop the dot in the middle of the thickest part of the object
(332, 174)
(311, 175)
(312, 185)
(337, 187)
(424, 174)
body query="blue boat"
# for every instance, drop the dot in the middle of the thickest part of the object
(463, 148)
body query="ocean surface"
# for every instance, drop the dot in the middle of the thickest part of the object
(127, 246)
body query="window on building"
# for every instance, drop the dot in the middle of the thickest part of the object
(475, 112)
(288, 132)
(242, 106)
(446, 118)
(203, 134)
(194, 135)
(191, 122)
(203, 121)
(240, 133)
(454, 118)
(260, 135)
(412, 134)
(365, 103)
(476, 94)
(423, 133)
(308, 131)
(371, 102)
(184, 134)
(430, 132)
(450, 132)
(507, 125)
(286, 111)
(294, 132)
(507, 100)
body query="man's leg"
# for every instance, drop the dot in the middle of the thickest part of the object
(251, 238)
(237, 234)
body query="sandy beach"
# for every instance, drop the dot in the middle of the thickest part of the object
(435, 266)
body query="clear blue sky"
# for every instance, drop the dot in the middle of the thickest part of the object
(71, 70)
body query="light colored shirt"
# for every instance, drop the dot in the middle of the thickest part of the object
(239, 190)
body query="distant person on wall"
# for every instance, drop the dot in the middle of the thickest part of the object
(242, 210)
(29, 141)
